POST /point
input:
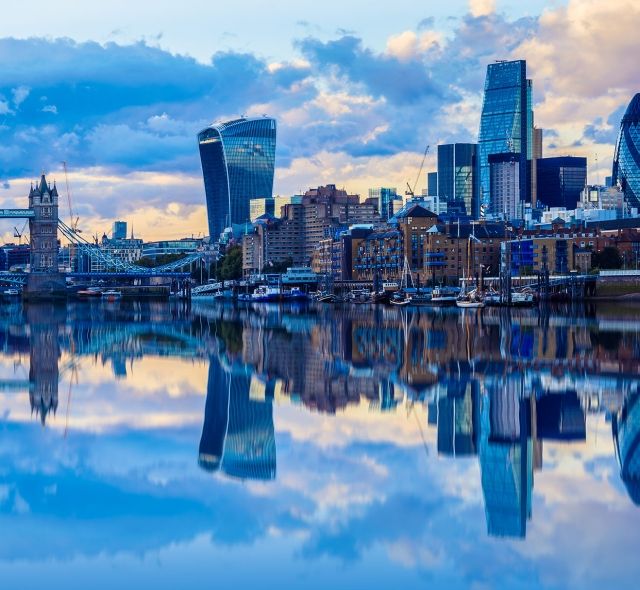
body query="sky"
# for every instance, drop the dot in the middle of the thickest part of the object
(119, 90)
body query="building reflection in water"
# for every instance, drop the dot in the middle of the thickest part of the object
(495, 385)
(238, 436)
(626, 436)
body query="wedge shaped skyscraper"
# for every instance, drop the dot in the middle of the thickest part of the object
(626, 161)
(238, 160)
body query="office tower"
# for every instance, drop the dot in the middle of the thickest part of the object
(432, 184)
(237, 164)
(626, 161)
(504, 180)
(506, 126)
(385, 197)
(119, 231)
(536, 154)
(561, 181)
(259, 207)
(457, 178)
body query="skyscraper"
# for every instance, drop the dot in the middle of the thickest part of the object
(238, 160)
(457, 178)
(561, 181)
(626, 161)
(506, 125)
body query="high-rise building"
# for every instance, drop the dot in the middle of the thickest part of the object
(457, 178)
(561, 181)
(506, 125)
(432, 184)
(258, 207)
(119, 231)
(238, 159)
(504, 181)
(536, 154)
(385, 197)
(626, 161)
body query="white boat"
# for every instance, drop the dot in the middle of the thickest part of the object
(444, 295)
(470, 304)
(266, 293)
(522, 298)
(11, 292)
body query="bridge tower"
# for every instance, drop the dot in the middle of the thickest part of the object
(45, 281)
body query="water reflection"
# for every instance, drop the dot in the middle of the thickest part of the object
(495, 400)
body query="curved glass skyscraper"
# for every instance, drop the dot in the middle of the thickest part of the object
(626, 161)
(237, 164)
(506, 127)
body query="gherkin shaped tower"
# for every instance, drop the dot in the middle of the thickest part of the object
(626, 161)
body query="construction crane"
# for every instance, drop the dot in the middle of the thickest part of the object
(74, 222)
(18, 233)
(411, 191)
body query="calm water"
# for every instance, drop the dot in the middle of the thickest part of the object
(219, 447)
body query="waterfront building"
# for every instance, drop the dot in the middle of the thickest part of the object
(506, 126)
(122, 249)
(626, 160)
(457, 178)
(380, 254)
(258, 207)
(504, 180)
(238, 160)
(119, 231)
(561, 181)
(453, 251)
(414, 221)
(385, 198)
(334, 256)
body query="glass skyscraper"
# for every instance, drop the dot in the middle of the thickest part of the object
(561, 181)
(457, 178)
(238, 160)
(626, 161)
(506, 125)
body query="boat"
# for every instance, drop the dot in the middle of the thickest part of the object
(295, 294)
(11, 293)
(324, 297)
(265, 293)
(112, 295)
(523, 298)
(400, 301)
(359, 296)
(470, 299)
(91, 292)
(444, 295)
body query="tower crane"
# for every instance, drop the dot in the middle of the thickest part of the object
(74, 222)
(18, 233)
(411, 191)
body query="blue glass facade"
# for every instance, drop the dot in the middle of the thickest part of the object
(561, 180)
(238, 159)
(457, 178)
(506, 125)
(626, 162)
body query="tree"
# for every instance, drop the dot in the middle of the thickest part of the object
(278, 267)
(607, 258)
(230, 265)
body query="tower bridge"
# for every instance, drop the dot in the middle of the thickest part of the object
(44, 279)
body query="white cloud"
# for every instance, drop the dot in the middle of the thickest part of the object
(482, 7)
(50, 108)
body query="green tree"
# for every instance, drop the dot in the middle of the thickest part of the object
(230, 265)
(608, 258)
(278, 267)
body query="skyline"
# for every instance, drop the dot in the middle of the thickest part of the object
(355, 107)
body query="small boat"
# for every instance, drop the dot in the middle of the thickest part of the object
(522, 298)
(398, 301)
(89, 293)
(10, 293)
(295, 294)
(112, 295)
(470, 303)
(444, 295)
(266, 293)
(359, 296)
(324, 297)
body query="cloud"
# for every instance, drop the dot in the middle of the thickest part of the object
(482, 7)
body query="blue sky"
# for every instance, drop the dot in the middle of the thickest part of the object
(119, 92)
